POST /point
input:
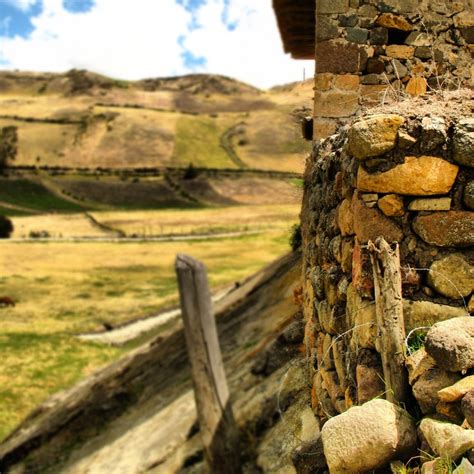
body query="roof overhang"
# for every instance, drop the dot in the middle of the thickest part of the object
(297, 23)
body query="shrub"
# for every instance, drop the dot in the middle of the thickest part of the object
(295, 237)
(6, 227)
(191, 172)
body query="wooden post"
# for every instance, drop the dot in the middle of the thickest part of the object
(390, 322)
(219, 432)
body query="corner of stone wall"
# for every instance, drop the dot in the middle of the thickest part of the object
(407, 176)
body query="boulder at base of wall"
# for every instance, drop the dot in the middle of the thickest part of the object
(451, 344)
(368, 437)
(445, 439)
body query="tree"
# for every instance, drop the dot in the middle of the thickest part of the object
(8, 145)
(6, 227)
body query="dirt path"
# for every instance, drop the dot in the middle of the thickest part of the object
(14, 207)
(131, 331)
(226, 143)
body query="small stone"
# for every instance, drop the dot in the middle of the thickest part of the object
(465, 467)
(400, 70)
(468, 195)
(463, 140)
(308, 457)
(390, 20)
(423, 52)
(426, 175)
(323, 82)
(430, 204)
(417, 86)
(467, 407)
(357, 35)
(452, 276)
(418, 364)
(370, 383)
(379, 36)
(336, 103)
(369, 224)
(400, 51)
(340, 57)
(362, 276)
(334, 6)
(436, 466)
(370, 79)
(368, 437)
(446, 229)
(327, 360)
(345, 218)
(445, 439)
(374, 135)
(347, 247)
(367, 198)
(458, 390)
(426, 314)
(327, 29)
(428, 385)
(451, 344)
(375, 66)
(433, 133)
(348, 20)
(347, 82)
(418, 38)
(405, 141)
(362, 317)
(450, 411)
(392, 205)
(338, 351)
(331, 383)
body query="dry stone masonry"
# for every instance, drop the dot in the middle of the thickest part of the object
(368, 50)
(406, 177)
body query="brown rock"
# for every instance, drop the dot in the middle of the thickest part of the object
(446, 229)
(426, 314)
(338, 351)
(426, 175)
(331, 383)
(418, 364)
(374, 135)
(428, 385)
(372, 94)
(430, 204)
(335, 104)
(362, 278)
(417, 86)
(370, 383)
(323, 128)
(391, 205)
(328, 359)
(347, 82)
(451, 344)
(467, 407)
(323, 82)
(339, 57)
(347, 247)
(362, 317)
(389, 20)
(458, 390)
(345, 218)
(451, 411)
(452, 276)
(400, 51)
(371, 223)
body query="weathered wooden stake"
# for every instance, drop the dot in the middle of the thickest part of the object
(390, 322)
(219, 432)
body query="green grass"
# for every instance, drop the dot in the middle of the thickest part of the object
(197, 142)
(31, 195)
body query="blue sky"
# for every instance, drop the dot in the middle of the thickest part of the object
(133, 39)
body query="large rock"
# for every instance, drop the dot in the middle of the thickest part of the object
(464, 142)
(428, 385)
(368, 437)
(423, 176)
(452, 276)
(458, 390)
(445, 439)
(451, 344)
(374, 135)
(424, 313)
(370, 223)
(446, 229)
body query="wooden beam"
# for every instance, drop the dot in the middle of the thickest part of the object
(219, 432)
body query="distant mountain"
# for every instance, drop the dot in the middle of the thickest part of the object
(84, 120)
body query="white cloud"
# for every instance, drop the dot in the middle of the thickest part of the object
(133, 39)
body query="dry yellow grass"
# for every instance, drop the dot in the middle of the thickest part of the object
(63, 289)
(201, 221)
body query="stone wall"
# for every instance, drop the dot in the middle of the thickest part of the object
(408, 177)
(369, 50)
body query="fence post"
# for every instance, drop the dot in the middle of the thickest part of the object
(219, 432)
(390, 322)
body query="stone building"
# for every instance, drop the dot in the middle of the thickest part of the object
(368, 50)
(402, 171)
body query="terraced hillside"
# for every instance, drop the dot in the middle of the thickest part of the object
(83, 120)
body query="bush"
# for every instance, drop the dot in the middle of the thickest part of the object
(295, 237)
(191, 172)
(6, 227)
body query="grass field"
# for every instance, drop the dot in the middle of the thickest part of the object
(67, 288)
